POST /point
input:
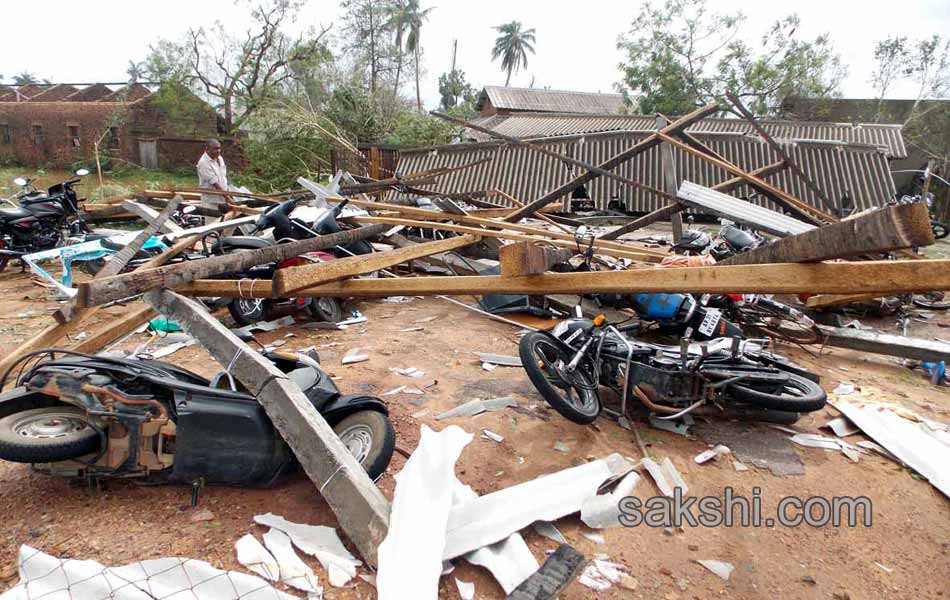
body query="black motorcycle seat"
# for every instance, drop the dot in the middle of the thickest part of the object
(243, 242)
(9, 214)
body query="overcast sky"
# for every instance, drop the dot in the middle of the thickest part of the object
(576, 41)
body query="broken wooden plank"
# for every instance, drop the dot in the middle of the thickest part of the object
(115, 328)
(291, 279)
(888, 344)
(149, 214)
(359, 506)
(118, 287)
(802, 210)
(890, 228)
(627, 252)
(669, 179)
(880, 277)
(529, 258)
(660, 214)
(612, 162)
(831, 300)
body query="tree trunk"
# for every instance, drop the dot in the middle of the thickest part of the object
(398, 73)
(228, 114)
(418, 94)
(508, 79)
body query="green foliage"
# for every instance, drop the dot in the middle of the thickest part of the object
(513, 45)
(457, 94)
(414, 129)
(679, 55)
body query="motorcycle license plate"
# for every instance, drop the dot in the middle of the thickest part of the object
(708, 326)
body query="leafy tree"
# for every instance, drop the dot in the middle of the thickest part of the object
(680, 54)
(25, 78)
(890, 65)
(135, 71)
(513, 45)
(454, 89)
(366, 29)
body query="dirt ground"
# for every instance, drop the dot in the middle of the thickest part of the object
(904, 554)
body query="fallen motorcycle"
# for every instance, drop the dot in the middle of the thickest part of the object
(568, 363)
(284, 228)
(78, 415)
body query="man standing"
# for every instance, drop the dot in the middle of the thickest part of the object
(213, 175)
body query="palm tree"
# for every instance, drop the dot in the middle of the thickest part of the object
(406, 18)
(135, 71)
(25, 78)
(513, 46)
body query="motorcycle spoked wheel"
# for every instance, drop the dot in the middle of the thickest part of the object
(48, 434)
(245, 311)
(798, 395)
(777, 325)
(574, 395)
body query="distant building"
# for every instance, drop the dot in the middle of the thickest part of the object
(506, 100)
(58, 125)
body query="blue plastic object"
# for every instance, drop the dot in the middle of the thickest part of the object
(658, 307)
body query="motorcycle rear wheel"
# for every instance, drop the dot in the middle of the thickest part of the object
(49, 434)
(246, 311)
(798, 395)
(326, 309)
(573, 395)
(370, 438)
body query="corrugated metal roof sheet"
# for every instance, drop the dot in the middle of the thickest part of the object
(535, 125)
(534, 99)
(859, 172)
(716, 203)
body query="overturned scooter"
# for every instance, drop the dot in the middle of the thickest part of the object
(78, 415)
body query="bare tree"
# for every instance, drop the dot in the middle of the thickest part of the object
(890, 64)
(243, 74)
(366, 27)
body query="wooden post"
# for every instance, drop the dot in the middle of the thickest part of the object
(669, 180)
(359, 506)
(149, 214)
(877, 277)
(132, 284)
(890, 228)
(529, 258)
(291, 279)
(646, 144)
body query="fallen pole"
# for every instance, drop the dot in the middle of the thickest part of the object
(291, 279)
(359, 506)
(114, 288)
(878, 277)
(890, 228)
(885, 343)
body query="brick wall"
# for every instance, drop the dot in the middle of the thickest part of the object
(176, 153)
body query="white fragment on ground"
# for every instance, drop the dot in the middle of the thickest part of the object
(466, 589)
(489, 367)
(884, 568)
(844, 388)
(408, 372)
(673, 476)
(255, 557)
(369, 578)
(354, 356)
(293, 571)
(412, 390)
(491, 435)
(603, 511)
(548, 530)
(712, 454)
(813, 440)
(394, 391)
(318, 541)
(410, 558)
(426, 319)
(398, 300)
(593, 536)
(561, 446)
(352, 321)
(475, 407)
(600, 574)
(842, 427)
(739, 466)
(720, 568)
(499, 359)
(45, 576)
(420, 413)
(679, 427)
(411, 329)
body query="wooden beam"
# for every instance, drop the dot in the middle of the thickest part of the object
(802, 210)
(762, 172)
(670, 184)
(291, 279)
(614, 161)
(149, 214)
(114, 329)
(884, 343)
(529, 258)
(879, 277)
(831, 300)
(118, 287)
(427, 215)
(777, 149)
(631, 253)
(359, 506)
(890, 228)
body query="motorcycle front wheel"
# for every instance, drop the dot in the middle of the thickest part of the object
(245, 311)
(574, 394)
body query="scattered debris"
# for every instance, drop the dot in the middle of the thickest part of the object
(557, 572)
(601, 574)
(354, 356)
(318, 541)
(476, 407)
(560, 446)
(739, 466)
(491, 435)
(466, 589)
(665, 475)
(593, 536)
(842, 427)
(411, 329)
(488, 367)
(603, 511)
(394, 391)
(201, 516)
(408, 372)
(253, 555)
(679, 427)
(293, 571)
(844, 388)
(720, 568)
(500, 359)
(712, 454)
(812, 440)
(548, 530)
